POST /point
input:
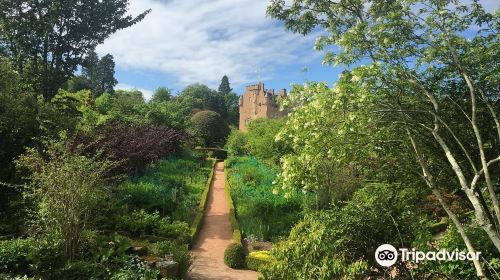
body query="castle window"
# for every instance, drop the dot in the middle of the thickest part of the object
(260, 104)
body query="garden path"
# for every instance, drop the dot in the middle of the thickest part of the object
(215, 236)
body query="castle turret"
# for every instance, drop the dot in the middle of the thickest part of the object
(257, 102)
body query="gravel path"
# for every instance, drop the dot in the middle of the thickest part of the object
(214, 237)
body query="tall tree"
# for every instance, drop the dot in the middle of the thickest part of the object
(98, 75)
(436, 61)
(224, 87)
(47, 39)
(230, 111)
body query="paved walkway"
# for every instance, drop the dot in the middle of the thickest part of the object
(214, 237)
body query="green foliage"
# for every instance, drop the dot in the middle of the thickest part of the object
(334, 244)
(209, 128)
(256, 260)
(162, 94)
(18, 128)
(450, 241)
(261, 135)
(173, 187)
(230, 111)
(82, 270)
(200, 212)
(234, 256)
(135, 269)
(58, 40)
(108, 248)
(67, 188)
(180, 254)
(127, 107)
(39, 256)
(261, 213)
(237, 143)
(99, 73)
(140, 223)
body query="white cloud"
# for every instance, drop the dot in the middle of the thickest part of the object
(145, 92)
(199, 41)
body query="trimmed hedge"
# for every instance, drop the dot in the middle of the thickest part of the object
(232, 212)
(234, 257)
(256, 260)
(198, 220)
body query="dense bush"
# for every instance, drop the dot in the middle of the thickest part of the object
(261, 140)
(261, 213)
(237, 143)
(209, 128)
(40, 256)
(340, 243)
(133, 146)
(256, 260)
(142, 223)
(68, 189)
(234, 256)
(180, 254)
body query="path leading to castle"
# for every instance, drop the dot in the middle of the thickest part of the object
(214, 237)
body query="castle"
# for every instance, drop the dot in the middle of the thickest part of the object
(258, 102)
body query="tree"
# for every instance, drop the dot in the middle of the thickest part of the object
(162, 94)
(438, 72)
(19, 125)
(200, 97)
(99, 73)
(47, 39)
(230, 111)
(224, 87)
(209, 128)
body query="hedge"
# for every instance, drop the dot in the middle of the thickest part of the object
(200, 213)
(256, 260)
(232, 212)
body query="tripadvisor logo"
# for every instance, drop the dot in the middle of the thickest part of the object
(387, 255)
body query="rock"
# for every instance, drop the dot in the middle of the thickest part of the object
(139, 251)
(167, 268)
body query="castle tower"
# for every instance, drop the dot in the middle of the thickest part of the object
(257, 102)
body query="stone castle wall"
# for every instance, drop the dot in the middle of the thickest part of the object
(257, 102)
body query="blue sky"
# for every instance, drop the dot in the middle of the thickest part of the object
(187, 41)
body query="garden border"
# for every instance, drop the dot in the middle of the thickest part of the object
(232, 212)
(200, 212)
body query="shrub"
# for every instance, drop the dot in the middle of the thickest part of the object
(141, 222)
(38, 256)
(256, 260)
(209, 128)
(107, 248)
(133, 146)
(334, 244)
(261, 140)
(236, 143)
(180, 254)
(234, 257)
(135, 269)
(83, 270)
(68, 189)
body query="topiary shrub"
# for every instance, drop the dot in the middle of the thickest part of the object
(258, 259)
(209, 128)
(234, 257)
